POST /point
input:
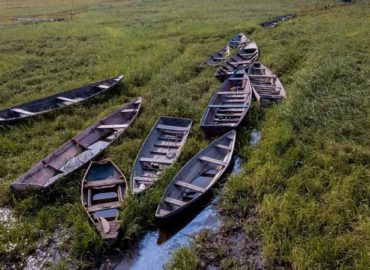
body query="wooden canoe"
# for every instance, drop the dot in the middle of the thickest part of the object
(103, 190)
(60, 100)
(160, 150)
(79, 150)
(197, 176)
(218, 57)
(239, 41)
(266, 86)
(229, 105)
(243, 58)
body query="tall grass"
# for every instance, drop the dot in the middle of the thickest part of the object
(157, 45)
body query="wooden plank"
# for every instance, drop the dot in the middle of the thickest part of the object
(234, 101)
(212, 160)
(190, 186)
(238, 93)
(145, 178)
(102, 183)
(167, 144)
(229, 106)
(175, 128)
(229, 120)
(153, 160)
(103, 86)
(174, 201)
(67, 99)
(228, 114)
(113, 126)
(169, 138)
(263, 76)
(17, 110)
(222, 146)
(128, 110)
(103, 206)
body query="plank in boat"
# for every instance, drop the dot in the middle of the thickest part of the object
(217, 58)
(56, 101)
(228, 107)
(79, 150)
(245, 57)
(160, 150)
(266, 86)
(197, 176)
(103, 189)
(238, 41)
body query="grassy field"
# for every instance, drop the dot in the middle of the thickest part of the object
(308, 178)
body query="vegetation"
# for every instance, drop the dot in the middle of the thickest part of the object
(309, 175)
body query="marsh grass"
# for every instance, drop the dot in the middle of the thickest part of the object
(158, 46)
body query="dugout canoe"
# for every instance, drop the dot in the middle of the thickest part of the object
(103, 189)
(57, 101)
(79, 150)
(160, 150)
(229, 105)
(197, 177)
(243, 58)
(217, 58)
(239, 41)
(266, 86)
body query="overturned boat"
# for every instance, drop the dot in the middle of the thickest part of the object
(103, 189)
(160, 150)
(266, 86)
(239, 41)
(229, 105)
(198, 175)
(245, 57)
(218, 57)
(79, 150)
(60, 100)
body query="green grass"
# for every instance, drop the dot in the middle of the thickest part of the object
(158, 46)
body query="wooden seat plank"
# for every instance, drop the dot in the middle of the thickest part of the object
(190, 186)
(17, 110)
(117, 126)
(174, 201)
(67, 99)
(174, 128)
(222, 146)
(153, 160)
(102, 183)
(103, 206)
(212, 160)
(103, 86)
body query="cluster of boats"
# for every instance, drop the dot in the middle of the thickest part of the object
(104, 187)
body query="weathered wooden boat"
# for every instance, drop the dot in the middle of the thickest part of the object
(266, 86)
(60, 100)
(239, 41)
(229, 105)
(103, 190)
(198, 175)
(244, 57)
(160, 150)
(218, 57)
(79, 150)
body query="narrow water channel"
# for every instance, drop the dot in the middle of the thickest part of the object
(155, 249)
